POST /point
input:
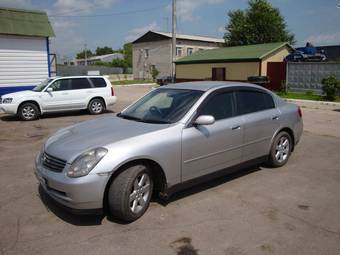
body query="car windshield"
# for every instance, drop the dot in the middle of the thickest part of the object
(42, 85)
(162, 106)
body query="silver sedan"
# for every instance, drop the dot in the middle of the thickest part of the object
(175, 136)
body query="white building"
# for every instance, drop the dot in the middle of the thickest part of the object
(153, 49)
(24, 49)
(103, 58)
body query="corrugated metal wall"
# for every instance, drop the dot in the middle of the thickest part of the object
(308, 76)
(23, 61)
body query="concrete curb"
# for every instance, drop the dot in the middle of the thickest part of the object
(136, 85)
(312, 102)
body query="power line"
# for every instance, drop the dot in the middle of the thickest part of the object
(108, 14)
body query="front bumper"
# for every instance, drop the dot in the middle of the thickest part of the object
(76, 194)
(9, 108)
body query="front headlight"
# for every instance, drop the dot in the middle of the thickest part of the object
(84, 163)
(7, 100)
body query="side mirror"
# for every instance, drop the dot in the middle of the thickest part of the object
(49, 89)
(205, 120)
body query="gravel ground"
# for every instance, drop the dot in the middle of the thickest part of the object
(290, 210)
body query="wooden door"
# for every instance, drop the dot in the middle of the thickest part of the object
(218, 74)
(276, 71)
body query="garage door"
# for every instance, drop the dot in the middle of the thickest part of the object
(23, 61)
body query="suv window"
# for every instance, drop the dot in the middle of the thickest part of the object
(98, 82)
(60, 85)
(80, 83)
(220, 106)
(253, 101)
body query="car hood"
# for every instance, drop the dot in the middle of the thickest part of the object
(70, 142)
(20, 94)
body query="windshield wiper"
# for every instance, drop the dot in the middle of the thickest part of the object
(128, 117)
(156, 121)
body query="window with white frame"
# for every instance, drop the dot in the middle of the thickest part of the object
(146, 52)
(178, 51)
(189, 51)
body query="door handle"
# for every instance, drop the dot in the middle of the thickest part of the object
(275, 117)
(64, 93)
(236, 128)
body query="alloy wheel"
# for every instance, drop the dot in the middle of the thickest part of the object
(282, 149)
(140, 193)
(28, 112)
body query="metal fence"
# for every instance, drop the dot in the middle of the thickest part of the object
(83, 70)
(308, 76)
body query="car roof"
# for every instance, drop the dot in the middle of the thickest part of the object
(207, 85)
(78, 76)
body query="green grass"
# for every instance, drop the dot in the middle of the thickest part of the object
(303, 96)
(127, 82)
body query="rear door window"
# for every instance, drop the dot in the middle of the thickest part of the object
(98, 82)
(253, 101)
(80, 83)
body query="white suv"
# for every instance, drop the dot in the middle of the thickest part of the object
(94, 93)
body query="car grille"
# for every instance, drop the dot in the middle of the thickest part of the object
(52, 163)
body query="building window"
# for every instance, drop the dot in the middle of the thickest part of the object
(189, 51)
(146, 53)
(178, 51)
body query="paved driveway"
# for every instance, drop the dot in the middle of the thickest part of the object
(291, 210)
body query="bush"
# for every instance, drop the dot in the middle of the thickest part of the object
(154, 72)
(309, 93)
(330, 87)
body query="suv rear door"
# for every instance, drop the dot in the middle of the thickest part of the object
(261, 120)
(81, 90)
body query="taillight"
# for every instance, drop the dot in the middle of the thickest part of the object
(299, 112)
(112, 92)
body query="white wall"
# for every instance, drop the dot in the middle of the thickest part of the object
(23, 60)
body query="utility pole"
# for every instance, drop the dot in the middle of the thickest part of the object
(85, 51)
(173, 49)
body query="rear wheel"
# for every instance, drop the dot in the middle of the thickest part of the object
(28, 111)
(280, 150)
(96, 106)
(130, 193)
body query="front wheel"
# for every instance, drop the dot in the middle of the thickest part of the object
(280, 150)
(130, 193)
(28, 111)
(96, 106)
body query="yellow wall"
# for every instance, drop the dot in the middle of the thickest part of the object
(277, 56)
(234, 71)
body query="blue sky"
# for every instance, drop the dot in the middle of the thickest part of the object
(310, 20)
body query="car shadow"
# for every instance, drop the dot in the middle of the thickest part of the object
(54, 115)
(60, 212)
(336, 110)
(208, 185)
(90, 220)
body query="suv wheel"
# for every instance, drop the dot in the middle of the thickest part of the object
(130, 193)
(96, 106)
(280, 150)
(28, 111)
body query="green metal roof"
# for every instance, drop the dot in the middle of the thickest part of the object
(24, 22)
(254, 52)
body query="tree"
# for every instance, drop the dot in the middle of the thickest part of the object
(104, 50)
(127, 51)
(260, 23)
(154, 72)
(81, 55)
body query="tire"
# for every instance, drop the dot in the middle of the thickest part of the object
(28, 111)
(280, 150)
(129, 196)
(96, 106)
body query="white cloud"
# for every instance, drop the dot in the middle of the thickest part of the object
(186, 8)
(16, 3)
(326, 38)
(221, 29)
(136, 32)
(69, 7)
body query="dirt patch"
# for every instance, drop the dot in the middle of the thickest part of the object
(303, 207)
(267, 248)
(183, 246)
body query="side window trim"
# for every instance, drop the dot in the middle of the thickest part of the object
(256, 91)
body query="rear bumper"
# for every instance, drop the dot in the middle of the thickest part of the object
(111, 100)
